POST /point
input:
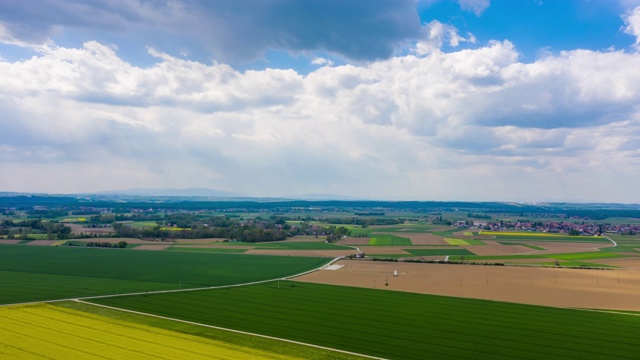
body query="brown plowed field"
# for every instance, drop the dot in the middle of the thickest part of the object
(563, 247)
(627, 263)
(493, 248)
(41, 242)
(424, 239)
(353, 241)
(600, 289)
(9, 241)
(77, 229)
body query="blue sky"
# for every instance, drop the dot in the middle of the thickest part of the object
(529, 100)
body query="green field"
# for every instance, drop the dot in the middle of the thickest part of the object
(141, 224)
(36, 273)
(305, 245)
(388, 240)
(207, 249)
(463, 242)
(401, 325)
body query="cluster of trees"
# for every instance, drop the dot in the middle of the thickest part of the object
(335, 234)
(21, 229)
(364, 222)
(110, 218)
(248, 233)
(49, 213)
(121, 244)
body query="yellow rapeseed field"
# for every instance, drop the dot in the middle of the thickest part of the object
(453, 241)
(48, 331)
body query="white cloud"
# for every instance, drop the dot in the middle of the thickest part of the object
(565, 127)
(435, 34)
(475, 6)
(321, 61)
(632, 21)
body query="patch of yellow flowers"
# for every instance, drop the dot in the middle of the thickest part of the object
(49, 331)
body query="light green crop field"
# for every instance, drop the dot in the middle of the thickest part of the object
(388, 240)
(206, 249)
(37, 273)
(141, 224)
(307, 245)
(463, 242)
(399, 325)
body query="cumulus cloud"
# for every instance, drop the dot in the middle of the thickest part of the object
(475, 6)
(321, 61)
(436, 34)
(421, 124)
(632, 21)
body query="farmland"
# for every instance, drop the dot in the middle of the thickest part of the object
(65, 333)
(400, 325)
(427, 310)
(33, 273)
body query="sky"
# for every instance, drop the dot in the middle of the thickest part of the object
(445, 100)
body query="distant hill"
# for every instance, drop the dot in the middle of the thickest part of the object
(189, 192)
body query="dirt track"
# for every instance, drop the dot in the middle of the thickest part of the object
(575, 288)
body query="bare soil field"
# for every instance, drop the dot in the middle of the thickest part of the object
(573, 288)
(77, 229)
(425, 239)
(41, 242)
(563, 247)
(628, 263)
(9, 241)
(493, 248)
(376, 250)
(353, 241)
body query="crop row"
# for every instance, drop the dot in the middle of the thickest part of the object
(401, 325)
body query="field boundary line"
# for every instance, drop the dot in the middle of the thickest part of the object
(608, 311)
(230, 330)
